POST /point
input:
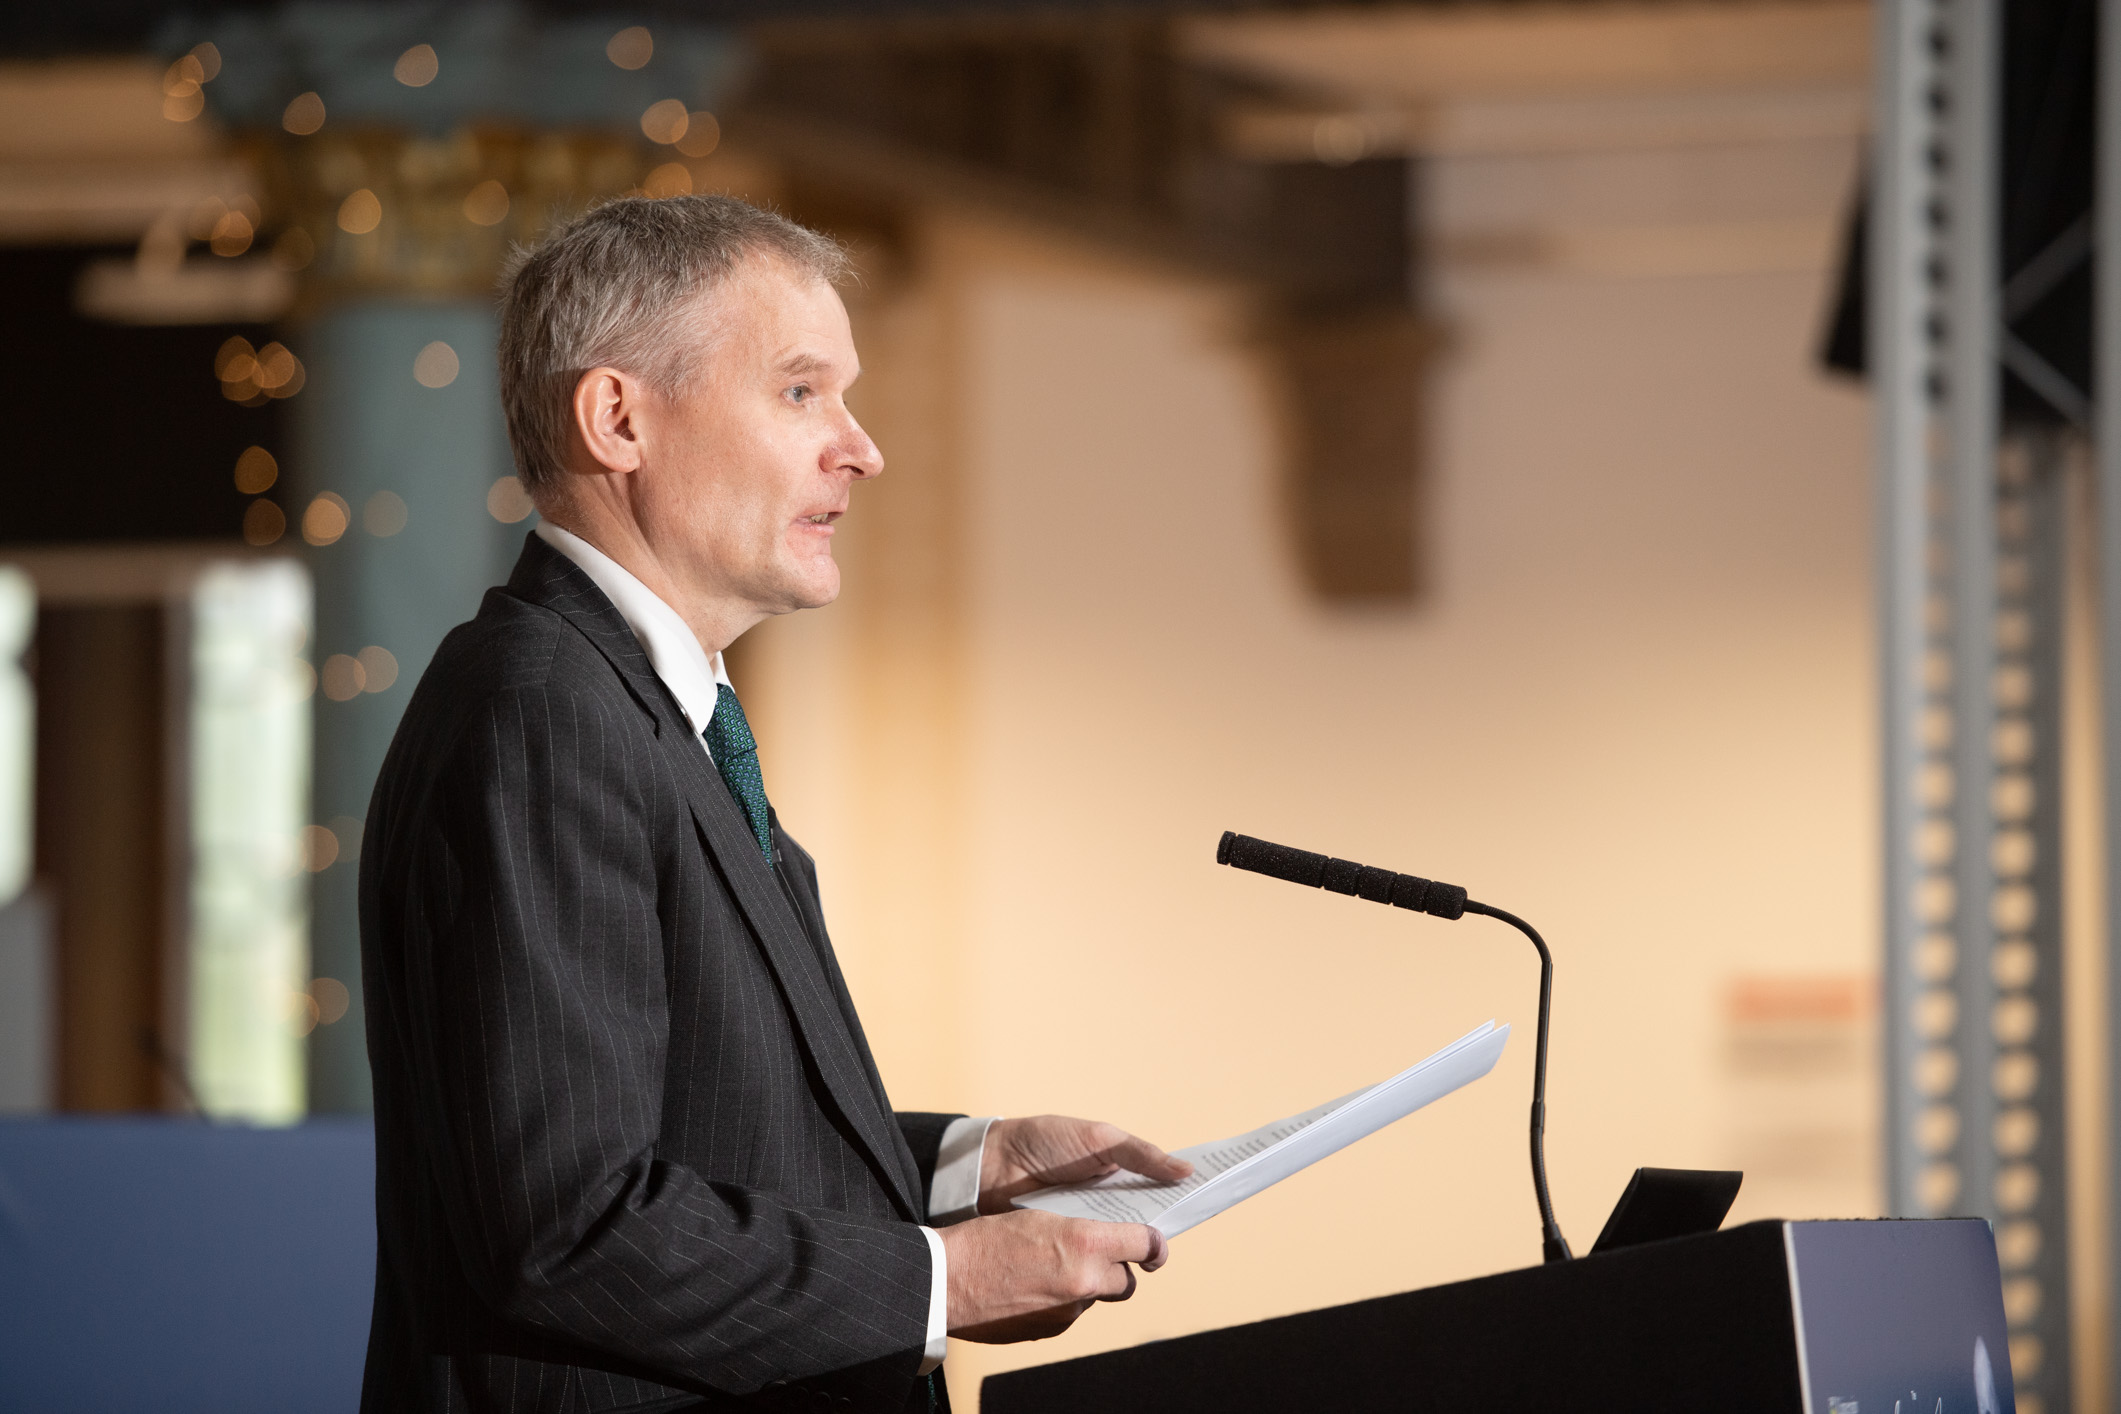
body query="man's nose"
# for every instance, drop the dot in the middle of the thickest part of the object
(857, 455)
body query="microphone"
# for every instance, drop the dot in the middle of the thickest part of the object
(1438, 900)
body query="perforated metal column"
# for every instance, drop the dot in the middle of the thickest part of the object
(2030, 1193)
(1971, 575)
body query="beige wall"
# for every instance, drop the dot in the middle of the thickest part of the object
(1635, 707)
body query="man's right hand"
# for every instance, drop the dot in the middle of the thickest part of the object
(1027, 1275)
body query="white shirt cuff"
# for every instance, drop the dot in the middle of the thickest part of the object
(953, 1193)
(953, 1196)
(938, 1303)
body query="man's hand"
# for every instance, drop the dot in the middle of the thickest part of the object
(1024, 1155)
(1028, 1275)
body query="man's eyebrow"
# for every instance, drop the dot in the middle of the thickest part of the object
(799, 363)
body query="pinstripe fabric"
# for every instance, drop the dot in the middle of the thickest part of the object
(632, 1149)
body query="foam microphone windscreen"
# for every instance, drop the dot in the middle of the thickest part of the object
(1298, 866)
(1341, 876)
(1346, 877)
(1444, 901)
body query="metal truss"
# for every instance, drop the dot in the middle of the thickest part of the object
(1971, 557)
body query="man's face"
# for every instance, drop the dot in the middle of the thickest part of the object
(746, 468)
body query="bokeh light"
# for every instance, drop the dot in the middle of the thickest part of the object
(417, 66)
(331, 997)
(279, 373)
(294, 249)
(326, 519)
(304, 114)
(319, 848)
(256, 471)
(670, 179)
(702, 135)
(507, 501)
(184, 77)
(236, 360)
(379, 665)
(631, 48)
(487, 204)
(263, 523)
(435, 366)
(384, 515)
(360, 213)
(665, 122)
(182, 100)
(231, 234)
(343, 678)
(236, 365)
(254, 376)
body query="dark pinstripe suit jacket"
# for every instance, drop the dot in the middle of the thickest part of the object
(632, 1150)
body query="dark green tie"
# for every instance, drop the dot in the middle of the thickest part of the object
(736, 756)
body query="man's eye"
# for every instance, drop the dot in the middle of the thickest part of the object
(799, 393)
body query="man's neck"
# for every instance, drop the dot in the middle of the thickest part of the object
(715, 621)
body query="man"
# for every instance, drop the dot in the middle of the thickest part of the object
(632, 1150)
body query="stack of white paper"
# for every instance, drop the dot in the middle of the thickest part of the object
(1228, 1172)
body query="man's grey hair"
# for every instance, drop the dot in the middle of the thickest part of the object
(617, 288)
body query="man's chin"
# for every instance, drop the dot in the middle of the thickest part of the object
(813, 591)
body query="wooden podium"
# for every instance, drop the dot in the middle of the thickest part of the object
(1775, 1317)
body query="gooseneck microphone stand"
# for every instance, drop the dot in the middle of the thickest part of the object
(1438, 900)
(1552, 1242)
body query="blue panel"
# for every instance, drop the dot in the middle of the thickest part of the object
(1901, 1317)
(184, 1268)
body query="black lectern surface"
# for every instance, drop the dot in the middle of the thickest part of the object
(1780, 1318)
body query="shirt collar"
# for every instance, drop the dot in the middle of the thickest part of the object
(673, 651)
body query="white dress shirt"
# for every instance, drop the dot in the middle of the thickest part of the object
(695, 680)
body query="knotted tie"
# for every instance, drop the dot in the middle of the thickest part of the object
(736, 756)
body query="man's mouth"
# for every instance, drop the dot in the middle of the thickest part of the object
(822, 518)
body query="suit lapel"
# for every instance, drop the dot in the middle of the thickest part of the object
(544, 576)
(810, 912)
(788, 949)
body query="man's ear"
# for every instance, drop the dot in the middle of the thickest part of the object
(607, 404)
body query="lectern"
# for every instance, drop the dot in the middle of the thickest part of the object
(1880, 1317)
